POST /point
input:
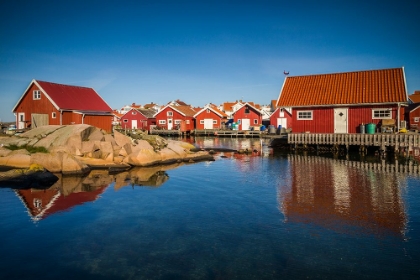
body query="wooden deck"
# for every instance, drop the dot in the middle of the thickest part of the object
(381, 140)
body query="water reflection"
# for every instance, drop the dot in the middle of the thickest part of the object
(71, 191)
(341, 197)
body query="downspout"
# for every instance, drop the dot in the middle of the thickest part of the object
(61, 117)
(83, 118)
(398, 117)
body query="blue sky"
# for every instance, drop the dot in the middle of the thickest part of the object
(199, 51)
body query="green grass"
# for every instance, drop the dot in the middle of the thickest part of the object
(30, 149)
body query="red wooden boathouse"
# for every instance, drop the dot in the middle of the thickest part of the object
(45, 103)
(247, 116)
(179, 117)
(138, 119)
(210, 117)
(341, 102)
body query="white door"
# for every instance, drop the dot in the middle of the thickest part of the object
(340, 120)
(208, 123)
(246, 123)
(133, 124)
(282, 122)
(170, 124)
(21, 120)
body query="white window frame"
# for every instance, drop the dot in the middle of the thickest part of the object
(214, 121)
(53, 115)
(133, 113)
(37, 95)
(255, 121)
(177, 121)
(162, 121)
(187, 121)
(381, 114)
(416, 119)
(201, 121)
(125, 120)
(169, 113)
(304, 115)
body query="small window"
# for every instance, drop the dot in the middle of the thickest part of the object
(304, 115)
(125, 120)
(177, 121)
(381, 113)
(54, 115)
(214, 121)
(187, 121)
(201, 121)
(162, 122)
(416, 119)
(255, 121)
(239, 121)
(208, 110)
(37, 94)
(246, 110)
(133, 112)
(169, 113)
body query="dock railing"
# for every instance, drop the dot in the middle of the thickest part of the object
(379, 139)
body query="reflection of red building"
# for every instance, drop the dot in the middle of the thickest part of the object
(342, 198)
(42, 203)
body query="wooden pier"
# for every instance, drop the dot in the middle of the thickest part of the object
(228, 133)
(410, 141)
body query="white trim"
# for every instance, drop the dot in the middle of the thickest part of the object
(304, 119)
(381, 109)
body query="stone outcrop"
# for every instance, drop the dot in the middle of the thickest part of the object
(76, 149)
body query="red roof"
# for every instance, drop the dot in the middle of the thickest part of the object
(373, 86)
(415, 97)
(73, 97)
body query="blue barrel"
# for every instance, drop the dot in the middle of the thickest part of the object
(262, 128)
(370, 128)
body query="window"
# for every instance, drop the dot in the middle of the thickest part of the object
(54, 115)
(169, 113)
(255, 121)
(214, 121)
(381, 113)
(37, 94)
(187, 121)
(246, 110)
(201, 121)
(177, 122)
(162, 122)
(125, 120)
(416, 119)
(239, 121)
(208, 110)
(133, 112)
(304, 115)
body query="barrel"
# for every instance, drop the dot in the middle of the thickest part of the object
(370, 128)
(362, 128)
(272, 129)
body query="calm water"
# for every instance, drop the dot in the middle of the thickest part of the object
(238, 217)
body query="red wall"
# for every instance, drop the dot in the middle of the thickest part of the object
(323, 119)
(210, 115)
(142, 121)
(252, 115)
(30, 106)
(276, 114)
(41, 106)
(175, 116)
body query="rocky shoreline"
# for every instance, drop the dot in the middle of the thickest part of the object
(77, 149)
